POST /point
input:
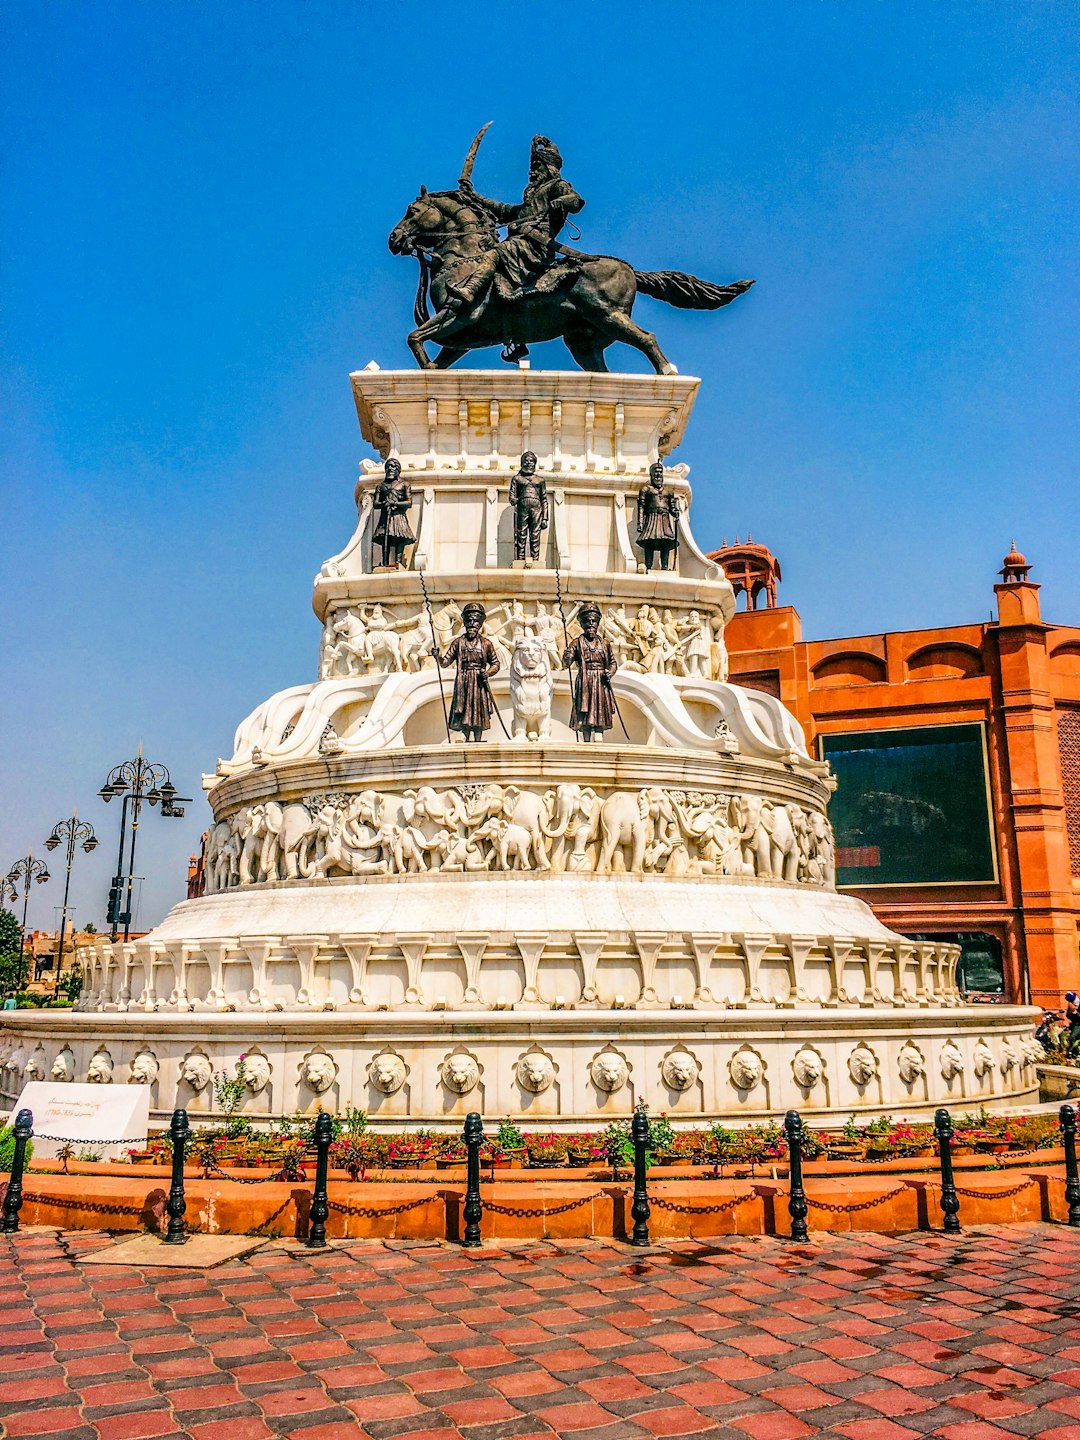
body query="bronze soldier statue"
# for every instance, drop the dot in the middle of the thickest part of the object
(591, 661)
(529, 502)
(527, 258)
(658, 511)
(476, 660)
(529, 286)
(392, 503)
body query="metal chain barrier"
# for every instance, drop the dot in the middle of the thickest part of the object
(94, 1144)
(375, 1212)
(535, 1212)
(855, 1209)
(97, 1207)
(279, 1175)
(988, 1194)
(719, 1209)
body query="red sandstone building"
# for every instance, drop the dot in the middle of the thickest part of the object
(958, 755)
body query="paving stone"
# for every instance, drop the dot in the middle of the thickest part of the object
(866, 1337)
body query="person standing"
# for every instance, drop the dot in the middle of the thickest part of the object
(592, 664)
(1072, 1019)
(474, 656)
(392, 503)
(529, 502)
(658, 513)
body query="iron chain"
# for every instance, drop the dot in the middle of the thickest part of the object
(536, 1212)
(719, 1209)
(854, 1209)
(370, 1210)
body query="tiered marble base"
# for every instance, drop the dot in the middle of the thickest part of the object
(529, 926)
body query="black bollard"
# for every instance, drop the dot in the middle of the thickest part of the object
(639, 1210)
(1067, 1116)
(950, 1201)
(797, 1206)
(474, 1136)
(176, 1205)
(24, 1128)
(320, 1207)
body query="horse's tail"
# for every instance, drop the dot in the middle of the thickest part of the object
(423, 286)
(687, 292)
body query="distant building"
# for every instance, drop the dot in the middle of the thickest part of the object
(957, 752)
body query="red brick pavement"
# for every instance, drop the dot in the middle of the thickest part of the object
(866, 1337)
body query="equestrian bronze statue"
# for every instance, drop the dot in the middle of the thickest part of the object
(528, 286)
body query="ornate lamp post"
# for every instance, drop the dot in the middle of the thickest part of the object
(27, 870)
(136, 780)
(73, 832)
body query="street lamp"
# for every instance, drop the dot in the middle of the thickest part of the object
(73, 832)
(28, 871)
(136, 780)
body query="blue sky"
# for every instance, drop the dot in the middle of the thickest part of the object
(194, 215)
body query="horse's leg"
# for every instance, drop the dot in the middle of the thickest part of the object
(603, 296)
(447, 356)
(429, 330)
(586, 348)
(616, 325)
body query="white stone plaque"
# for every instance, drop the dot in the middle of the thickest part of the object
(88, 1115)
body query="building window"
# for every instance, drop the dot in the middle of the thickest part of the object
(912, 807)
(981, 970)
(1069, 749)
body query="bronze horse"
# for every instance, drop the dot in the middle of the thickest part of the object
(446, 230)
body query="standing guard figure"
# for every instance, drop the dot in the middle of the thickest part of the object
(393, 501)
(476, 660)
(529, 501)
(591, 662)
(658, 512)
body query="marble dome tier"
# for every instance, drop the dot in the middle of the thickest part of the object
(532, 925)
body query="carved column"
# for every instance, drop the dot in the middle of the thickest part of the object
(590, 944)
(531, 947)
(413, 951)
(472, 952)
(649, 943)
(358, 951)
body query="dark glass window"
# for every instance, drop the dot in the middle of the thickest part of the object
(981, 968)
(911, 806)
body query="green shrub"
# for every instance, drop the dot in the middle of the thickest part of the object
(7, 1149)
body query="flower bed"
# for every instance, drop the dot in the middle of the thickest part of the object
(287, 1149)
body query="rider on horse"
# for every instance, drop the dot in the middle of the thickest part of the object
(526, 262)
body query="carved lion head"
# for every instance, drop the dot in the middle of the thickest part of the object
(680, 1070)
(460, 1073)
(535, 1072)
(195, 1070)
(319, 1072)
(609, 1072)
(387, 1073)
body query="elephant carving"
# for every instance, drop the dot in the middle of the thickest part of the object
(249, 825)
(528, 810)
(511, 843)
(287, 835)
(573, 824)
(222, 856)
(768, 838)
(623, 826)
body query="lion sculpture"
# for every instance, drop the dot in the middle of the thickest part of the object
(144, 1068)
(195, 1070)
(679, 1070)
(100, 1069)
(535, 1072)
(530, 689)
(609, 1071)
(460, 1073)
(387, 1073)
(318, 1072)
